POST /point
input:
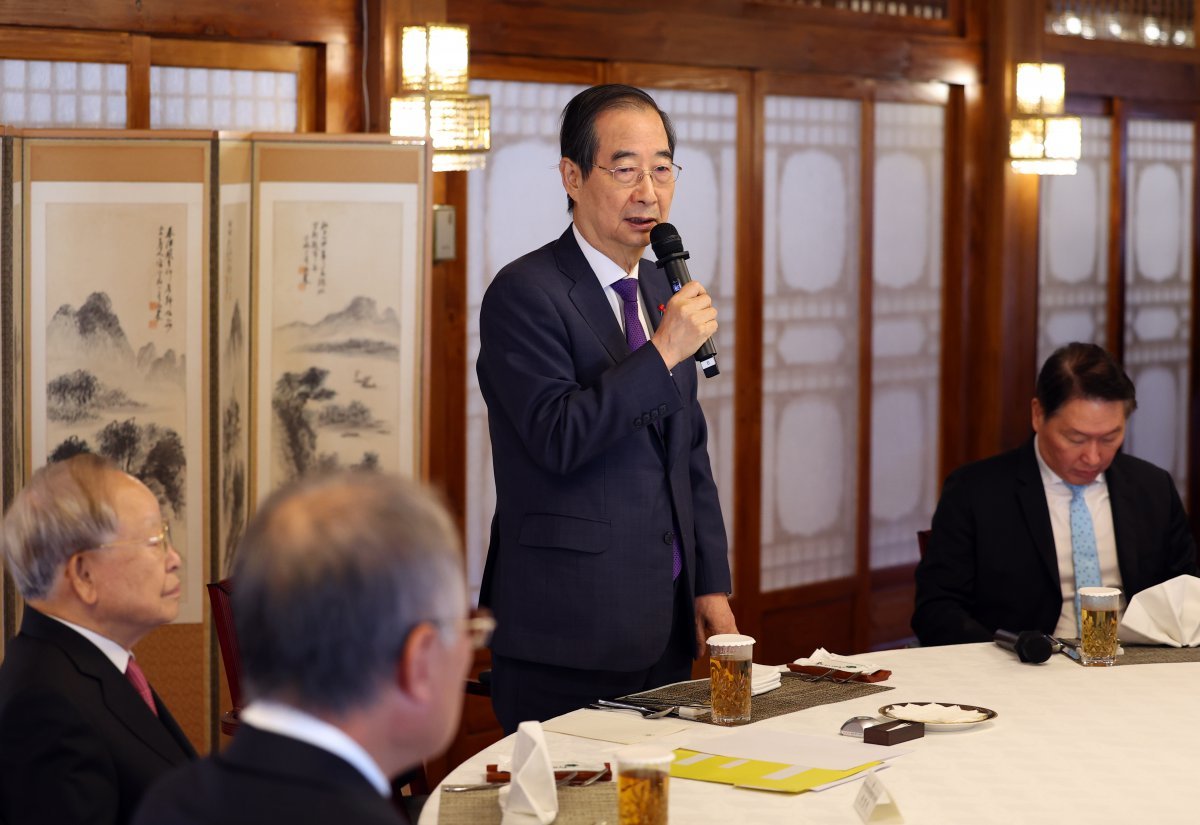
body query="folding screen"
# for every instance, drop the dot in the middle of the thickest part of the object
(116, 275)
(339, 248)
(231, 349)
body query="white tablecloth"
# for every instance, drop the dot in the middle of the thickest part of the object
(1069, 745)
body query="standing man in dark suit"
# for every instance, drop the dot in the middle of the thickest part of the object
(1016, 535)
(351, 613)
(608, 559)
(82, 735)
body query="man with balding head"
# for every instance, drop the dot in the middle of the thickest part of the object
(82, 735)
(351, 613)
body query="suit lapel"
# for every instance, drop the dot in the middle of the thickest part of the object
(162, 734)
(589, 298)
(1125, 522)
(656, 293)
(1031, 495)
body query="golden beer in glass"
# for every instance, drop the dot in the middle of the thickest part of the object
(643, 772)
(730, 672)
(1099, 617)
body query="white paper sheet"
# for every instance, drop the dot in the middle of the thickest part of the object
(625, 727)
(836, 753)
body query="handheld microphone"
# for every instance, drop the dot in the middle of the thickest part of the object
(1029, 645)
(671, 257)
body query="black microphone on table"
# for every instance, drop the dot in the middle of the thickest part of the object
(673, 259)
(1029, 645)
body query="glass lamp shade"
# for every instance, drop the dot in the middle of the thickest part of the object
(458, 125)
(1027, 139)
(1041, 88)
(434, 58)
(1064, 138)
(1045, 166)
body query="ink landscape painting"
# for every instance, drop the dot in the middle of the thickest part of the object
(116, 355)
(342, 342)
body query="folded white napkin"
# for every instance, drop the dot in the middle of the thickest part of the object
(1166, 614)
(531, 796)
(937, 714)
(823, 658)
(764, 678)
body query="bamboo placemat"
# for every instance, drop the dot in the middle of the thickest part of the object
(1154, 655)
(794, 693)
(576, 806)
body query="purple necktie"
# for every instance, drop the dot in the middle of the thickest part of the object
(138, 679)
(627, 288)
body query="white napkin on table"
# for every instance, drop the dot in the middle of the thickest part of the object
(937, 714)
(764, 678)
(531, 797)
(823, 658)
(1166, 614)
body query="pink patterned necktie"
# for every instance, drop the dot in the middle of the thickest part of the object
(138, 679)
(635, 336)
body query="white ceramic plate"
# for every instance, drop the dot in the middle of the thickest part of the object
(894, 712)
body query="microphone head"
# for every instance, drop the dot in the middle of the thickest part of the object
(665, 240)
(1033, 647)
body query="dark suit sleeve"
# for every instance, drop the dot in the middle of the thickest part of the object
(1181, 543)
(53, 770)
(945, 577)
(527, 356)
(712, 544)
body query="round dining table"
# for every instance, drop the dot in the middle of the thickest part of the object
(1068, 744)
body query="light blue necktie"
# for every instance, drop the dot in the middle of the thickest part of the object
(1083, 547)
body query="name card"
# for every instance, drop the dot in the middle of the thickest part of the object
(875, 805)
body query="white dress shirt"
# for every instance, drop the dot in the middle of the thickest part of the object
(608, 273)
(116, 654)
(1058, 498)
(285, 720)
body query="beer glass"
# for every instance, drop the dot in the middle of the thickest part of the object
(1099, 608)
(730, 666)
(643, 772)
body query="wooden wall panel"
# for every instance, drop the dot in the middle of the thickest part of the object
(297, 21)
(137, 33)
(722, 34)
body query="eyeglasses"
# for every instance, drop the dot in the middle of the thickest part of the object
(479, 626)
(160, 541)
(664, 174)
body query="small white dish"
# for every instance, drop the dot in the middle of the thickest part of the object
(896, 711)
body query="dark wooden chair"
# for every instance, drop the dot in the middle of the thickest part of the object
(481, 685)
(219, 594)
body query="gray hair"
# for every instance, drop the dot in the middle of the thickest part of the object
(66, 507)
(331, 575)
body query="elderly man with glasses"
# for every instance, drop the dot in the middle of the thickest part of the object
(608, 562)
(82, 735)
(351, 612)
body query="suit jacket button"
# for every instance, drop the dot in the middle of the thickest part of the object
(654, 415)
(669, 537)
(662, 409)
(637, 423)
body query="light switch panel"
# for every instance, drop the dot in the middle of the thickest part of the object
(445, 232)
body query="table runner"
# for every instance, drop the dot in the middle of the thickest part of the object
(1153, 655)
(794, 693)
(576, 806)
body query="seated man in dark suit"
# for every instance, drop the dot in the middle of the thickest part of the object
(1016, 535)
(350, 604)
(82, 735)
